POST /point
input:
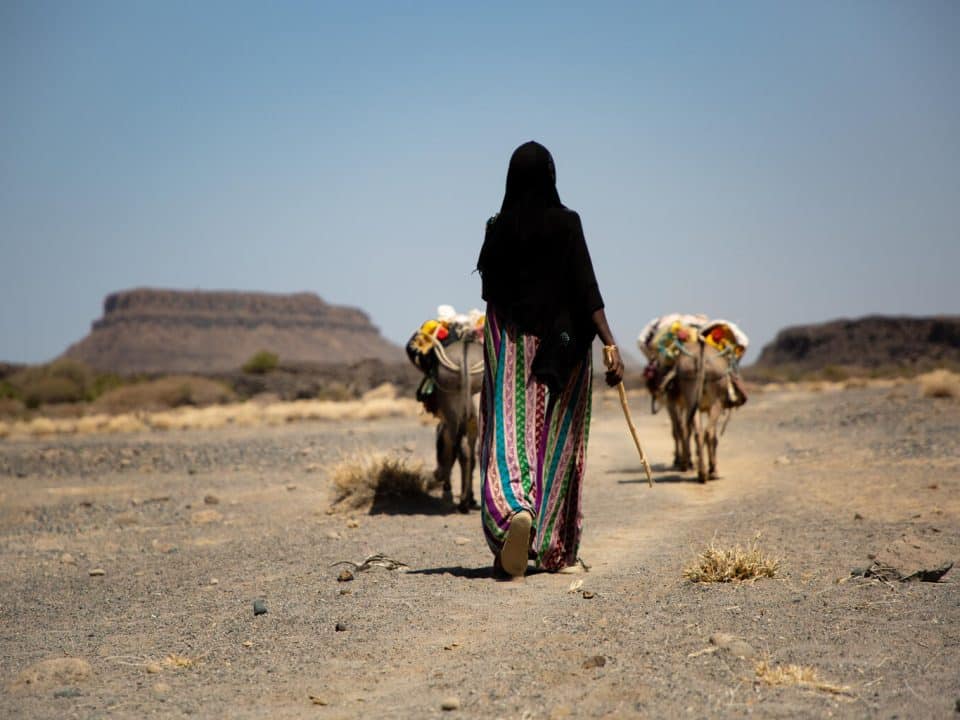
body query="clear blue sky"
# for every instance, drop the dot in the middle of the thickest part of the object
(767, 162)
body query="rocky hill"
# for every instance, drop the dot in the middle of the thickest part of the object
(874, 344)
(166, 331)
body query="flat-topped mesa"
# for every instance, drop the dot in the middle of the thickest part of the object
(153, 330)
(226, 308)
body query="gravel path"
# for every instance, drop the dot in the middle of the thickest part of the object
(191, 529)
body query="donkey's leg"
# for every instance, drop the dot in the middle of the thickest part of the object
(712, 436)
(446, 452)
(468, 460)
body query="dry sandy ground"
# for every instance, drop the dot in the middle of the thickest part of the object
(190, 528)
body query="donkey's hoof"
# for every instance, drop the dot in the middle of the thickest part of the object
(467, 505)
(447, 496)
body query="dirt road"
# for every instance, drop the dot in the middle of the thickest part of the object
(141, 557)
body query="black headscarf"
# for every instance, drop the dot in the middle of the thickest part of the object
(536, 269)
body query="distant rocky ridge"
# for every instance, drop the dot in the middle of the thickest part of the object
(165, 331)
(874, 343)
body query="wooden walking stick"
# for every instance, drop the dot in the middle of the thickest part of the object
(608, 361)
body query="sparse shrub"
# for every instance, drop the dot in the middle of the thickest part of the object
(834, 373)
(47, 390)
(732, 564)
(940, 384)
(261, 363)
(103, 383)
(163, 394)
(10, 407)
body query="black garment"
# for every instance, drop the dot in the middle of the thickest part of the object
(536, 268)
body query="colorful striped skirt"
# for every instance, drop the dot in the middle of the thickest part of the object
(533, 446)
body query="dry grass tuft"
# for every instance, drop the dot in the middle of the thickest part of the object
(799, 675)
(358, 480)
(734, 564)
(178, 662)
(940, 384)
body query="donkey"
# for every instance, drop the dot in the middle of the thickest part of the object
(706, 385)
(453, 374)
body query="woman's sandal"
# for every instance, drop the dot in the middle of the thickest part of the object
(516, 544)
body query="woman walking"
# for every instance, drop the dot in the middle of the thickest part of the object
(544, 309)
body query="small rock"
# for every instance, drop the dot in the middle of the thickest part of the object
(318, 700)
(594, 662)
(333, 535)
(211, 500)
(450, 703)
(214, 581)
(97, 572)
(161, 688)
(409, 447)
(312, 467)
(353, 524)
(153, 668)
(345, 591)
(248, 643)
(345, 576)
(782, 460)
(259, 607)
(71, 692)
(461, 541)
(588, 595)
(291, 488)
(68, 559)
(857, 516)
(340, 626)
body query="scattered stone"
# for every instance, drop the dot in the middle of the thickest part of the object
(345, 576)
(211, 500)
(97, 572)
(594, 662)
(588, 595)
(461, 541)
(333, 535)
(214, 581)
(318, 700)
(248, 643)
(450, 703)
(291, 488)
(70, 692)
(353, 524)
(857, 516)
(56, 671)
(345, 591)
(312, 467)
(68, 559)
(259, 607)
(153, 668)
(340, 626)
(782, 460)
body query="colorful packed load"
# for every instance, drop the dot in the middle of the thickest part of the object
(665, 338)
(446, 328)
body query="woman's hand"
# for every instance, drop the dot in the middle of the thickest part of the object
(611, 354)
(614, 364)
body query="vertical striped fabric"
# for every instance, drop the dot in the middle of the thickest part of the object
(533, 447)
